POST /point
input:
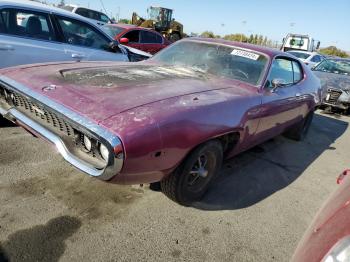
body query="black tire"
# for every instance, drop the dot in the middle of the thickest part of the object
(190, 181)
(174, 37)
(300, 130)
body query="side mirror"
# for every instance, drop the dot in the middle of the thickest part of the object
(114, 46)
(277, 82)
(124, 41)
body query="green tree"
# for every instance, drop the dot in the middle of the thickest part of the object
(333, 51)
(255, 39)
(208, 34)
(124, 21)
(251, 39)
(264, 43)
(260, 40)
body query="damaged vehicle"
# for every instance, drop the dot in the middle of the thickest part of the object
(335, 79)
(170, 119)
(31, 32)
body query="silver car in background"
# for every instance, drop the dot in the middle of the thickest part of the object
(311, 59)
(31, 32)
(335, 80)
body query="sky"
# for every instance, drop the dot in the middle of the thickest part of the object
(324, 20)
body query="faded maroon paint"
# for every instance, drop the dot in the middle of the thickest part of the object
(330, 225)
(174, 115)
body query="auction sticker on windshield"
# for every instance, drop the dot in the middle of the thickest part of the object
(245, 54)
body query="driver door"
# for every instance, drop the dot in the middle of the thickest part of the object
(86, 43)
(281, 106)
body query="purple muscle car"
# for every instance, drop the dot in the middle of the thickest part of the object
(171, 119)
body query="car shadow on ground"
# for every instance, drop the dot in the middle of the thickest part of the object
(5, 123)
(260, 172)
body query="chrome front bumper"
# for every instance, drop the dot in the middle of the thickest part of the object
(114, 163)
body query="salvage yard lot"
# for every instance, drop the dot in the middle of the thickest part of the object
(257, 210)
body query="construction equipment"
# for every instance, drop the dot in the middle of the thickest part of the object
(160, 20)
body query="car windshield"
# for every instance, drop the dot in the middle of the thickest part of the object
(300, 55)
(215, 59)
(336, 66)
(112, 30)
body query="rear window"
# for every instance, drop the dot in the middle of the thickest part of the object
(112, 31)
(300, 55)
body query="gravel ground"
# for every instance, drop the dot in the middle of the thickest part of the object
(257, 210)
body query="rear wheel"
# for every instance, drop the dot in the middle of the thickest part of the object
(190, 181)
(300, 130)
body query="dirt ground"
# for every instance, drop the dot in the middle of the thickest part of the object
(257, 210)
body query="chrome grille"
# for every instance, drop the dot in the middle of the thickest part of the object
(37, 112)
(333, 96)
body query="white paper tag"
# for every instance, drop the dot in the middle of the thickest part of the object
(245, 54)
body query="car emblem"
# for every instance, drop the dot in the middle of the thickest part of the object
(49, 88)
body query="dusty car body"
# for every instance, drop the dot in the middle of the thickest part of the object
(328, 237)
(149, 119)
(335, 79)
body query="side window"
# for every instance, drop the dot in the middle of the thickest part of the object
(316, 59)
(159, 39)
(3, 25)
(281, 69)
(104, 18)
(82, 34)
(26, 23)
(133, 36)
(148, 37)
(83, 12)
(298, 73)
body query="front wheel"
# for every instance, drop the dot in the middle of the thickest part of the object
(190, 181)
(300, 130)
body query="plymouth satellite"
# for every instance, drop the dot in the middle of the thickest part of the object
(171, 119)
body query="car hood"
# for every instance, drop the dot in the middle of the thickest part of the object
(332, 80)
(101, 90)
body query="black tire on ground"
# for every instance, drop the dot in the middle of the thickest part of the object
(190, 181)
(174, 37)
(300, 130)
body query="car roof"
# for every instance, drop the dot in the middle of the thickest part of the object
(42, 7)
(125, 26)
(302, 52)
(128, 26)
(261, 49)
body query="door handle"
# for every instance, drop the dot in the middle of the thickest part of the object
(78, 56)
(6, 47)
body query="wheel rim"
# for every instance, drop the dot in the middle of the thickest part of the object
(201, 172)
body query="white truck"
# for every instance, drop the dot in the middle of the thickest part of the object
(299, 42)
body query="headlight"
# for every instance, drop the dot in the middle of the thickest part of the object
(87, 143)
(340, 252)
(104, 152)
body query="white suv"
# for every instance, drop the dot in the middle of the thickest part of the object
(31, 32)
(95, 16)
